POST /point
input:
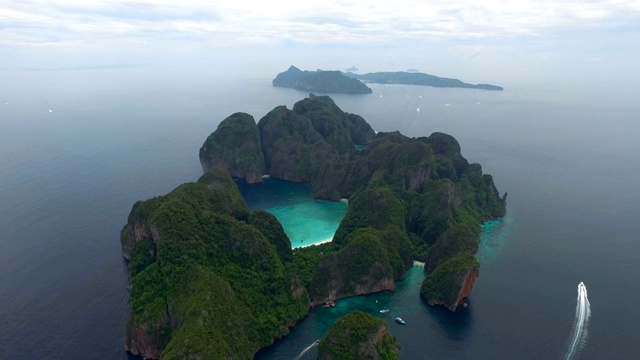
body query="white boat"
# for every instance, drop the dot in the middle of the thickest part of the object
(384, 311)
(399, 321)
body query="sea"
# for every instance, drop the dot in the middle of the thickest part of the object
(79, 146)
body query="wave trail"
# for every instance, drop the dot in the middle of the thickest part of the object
(583, 313)
(307, 349)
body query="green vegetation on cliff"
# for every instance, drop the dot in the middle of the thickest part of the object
(430, 189)
(360, 267)
(358, 336)
(443, 285)
(215, 286)
(235, 149)
(320, 81)
(295, 143)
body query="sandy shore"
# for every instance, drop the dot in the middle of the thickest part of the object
(316, 243)
(418, 263)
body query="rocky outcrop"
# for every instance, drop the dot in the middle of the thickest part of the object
(467, 286)
(329, 121)
(144, 342)
(358, 336)
(362, 266)
(360, 130)
(136, 231)
(451, 282)
(320, 81)
(235, 149)
(293, 150)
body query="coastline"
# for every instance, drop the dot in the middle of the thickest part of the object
(315, 243)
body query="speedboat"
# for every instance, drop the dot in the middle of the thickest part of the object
(399, 321)
(384, 311)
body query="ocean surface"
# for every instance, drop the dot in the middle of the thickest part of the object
(78, 148)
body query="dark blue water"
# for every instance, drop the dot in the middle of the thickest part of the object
(68, 179)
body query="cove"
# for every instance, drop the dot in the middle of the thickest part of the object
(305, 220)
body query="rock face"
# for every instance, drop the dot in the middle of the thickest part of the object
(418, 78)
(208, 277)
(360, 267)
(235, 149)
(320, 81)
(295, 143)
(292, 148)
(358, 336)
(451, 282)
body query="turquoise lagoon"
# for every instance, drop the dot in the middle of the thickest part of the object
(306, 220)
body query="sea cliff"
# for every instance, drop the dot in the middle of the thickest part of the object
(235, 148)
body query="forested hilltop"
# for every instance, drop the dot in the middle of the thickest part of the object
(359, 336)
(210, 279)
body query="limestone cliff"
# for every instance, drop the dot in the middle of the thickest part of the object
(451, 282)
(235, 149)
(339, 129)
(293, 150)
(366, 264)
(359, 336)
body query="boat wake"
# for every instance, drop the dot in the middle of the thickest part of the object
(583, 313)
(306, 349)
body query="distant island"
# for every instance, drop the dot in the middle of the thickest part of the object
(320, 81)
(337, 82)
(412, 77)
(212, 279)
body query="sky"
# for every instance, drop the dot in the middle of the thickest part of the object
(480, 40)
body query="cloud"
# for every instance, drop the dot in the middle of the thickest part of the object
(107, 25)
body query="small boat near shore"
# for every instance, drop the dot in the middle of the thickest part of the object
(399, 321)
(330, 303)
(384, 311)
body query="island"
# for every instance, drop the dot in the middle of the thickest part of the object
(212, 279)
(413, 77)
(358, 336)
(320, 81)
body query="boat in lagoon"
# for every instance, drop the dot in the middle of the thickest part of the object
(399, 321)
(384, 311)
